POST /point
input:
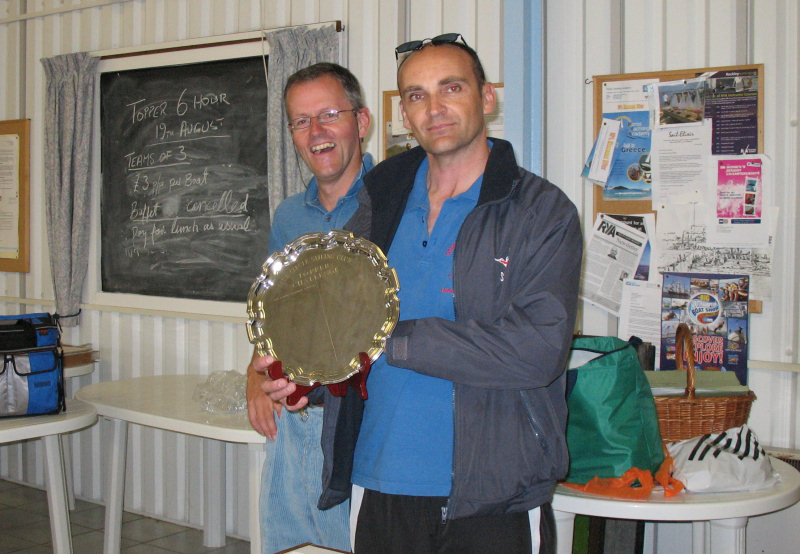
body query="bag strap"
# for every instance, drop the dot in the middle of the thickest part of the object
(572, 374)
(601, 352)
(633, 341)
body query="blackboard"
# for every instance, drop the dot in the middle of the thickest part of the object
(184, 204)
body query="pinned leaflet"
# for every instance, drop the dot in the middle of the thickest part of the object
(601, 158)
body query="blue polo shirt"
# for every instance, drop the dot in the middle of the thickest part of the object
(302, 213)
(405, 445)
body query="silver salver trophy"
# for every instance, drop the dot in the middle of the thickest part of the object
(324, 307)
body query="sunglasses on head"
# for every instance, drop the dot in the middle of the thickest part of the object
(405, 49)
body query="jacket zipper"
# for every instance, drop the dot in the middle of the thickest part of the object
(453, 467)
(456, 299)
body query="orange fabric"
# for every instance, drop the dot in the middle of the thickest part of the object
(664, 477)
(622, 487)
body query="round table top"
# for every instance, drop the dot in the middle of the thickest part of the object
(687, 506)
(165, 402)
(77, 416)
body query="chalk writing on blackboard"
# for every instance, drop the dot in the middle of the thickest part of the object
(184, 209)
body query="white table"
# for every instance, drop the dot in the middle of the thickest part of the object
(69, 373)
(49, 428)
(723, 515)
(165, 402)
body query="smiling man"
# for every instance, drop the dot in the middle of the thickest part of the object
(328, 120)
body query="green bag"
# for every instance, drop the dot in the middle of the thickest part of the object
(612, 424)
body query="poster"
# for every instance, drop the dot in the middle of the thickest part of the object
(715, 308)
(739, 201)
(631, 176)
(732, 105)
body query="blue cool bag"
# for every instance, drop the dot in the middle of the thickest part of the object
(32, 376)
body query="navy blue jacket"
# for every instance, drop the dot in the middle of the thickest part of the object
(516, 269)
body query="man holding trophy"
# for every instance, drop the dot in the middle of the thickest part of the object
(328, 119)
(463, 430)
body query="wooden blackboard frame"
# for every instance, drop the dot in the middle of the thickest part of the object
(230, 47)
(223, 47)
(21, 262)
(601, 205)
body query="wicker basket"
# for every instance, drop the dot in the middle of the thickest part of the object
(687, 416)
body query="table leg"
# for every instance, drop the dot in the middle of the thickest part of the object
(565, 526)
(214, 493)
(116, 488)
(700, 537)
(256, 456)
(57, 495)
(67, 454)
(728, 535)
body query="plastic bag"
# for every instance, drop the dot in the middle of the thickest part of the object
(612, 424)
(723, 462)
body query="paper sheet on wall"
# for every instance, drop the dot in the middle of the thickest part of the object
(640, 312)
(646, 223)
(628, 102)
(715, 307)
(626, 96)
(683, 247)
(679, 103)
(679, 159)
(601, 158)
(9, 196)
(612, 255)
(397, 117)
(732, 104)
(738, 199)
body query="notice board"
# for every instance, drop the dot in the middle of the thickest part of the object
(723, 78)
(14, 203)
(184, 204)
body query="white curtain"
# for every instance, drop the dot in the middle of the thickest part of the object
(68, 138)
(290, 50)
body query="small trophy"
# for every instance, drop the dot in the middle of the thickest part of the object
(323, 307)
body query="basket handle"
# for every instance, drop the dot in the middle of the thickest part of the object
(683, 340)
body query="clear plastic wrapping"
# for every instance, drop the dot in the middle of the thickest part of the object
(223, 392)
